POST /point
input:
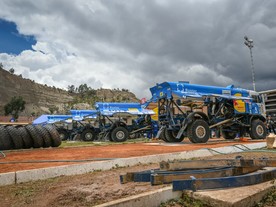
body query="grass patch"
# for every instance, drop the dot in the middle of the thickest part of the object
(268, 200)
(186, 201)
(98, 143)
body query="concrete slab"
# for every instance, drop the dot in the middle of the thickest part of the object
(235, 197)
(7, 178)
(151, 199)
(45, 173)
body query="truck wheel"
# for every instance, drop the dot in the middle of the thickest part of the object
(228, 134)
(63, 134)
(199, 131)
(88, 135)
(170, 136)
(15, 137)
(119, 134)
(6, 139)
(258, 130)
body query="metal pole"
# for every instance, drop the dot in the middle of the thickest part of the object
(252, 68)
(249, 43)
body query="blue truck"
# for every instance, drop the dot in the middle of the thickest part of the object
(193, 111)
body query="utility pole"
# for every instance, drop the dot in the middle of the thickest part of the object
(249, 43)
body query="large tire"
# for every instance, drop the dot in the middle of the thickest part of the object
(198, 131)
(56, 141)
(36, 137)
(5, 139)
(63, 134)
(170, 136)
(88, 135)
(227, 134)
(47, 141)
(258, 129)
(119, 134)
(15, 137)
(26, 137)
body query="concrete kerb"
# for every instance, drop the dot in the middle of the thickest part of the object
(153, 198)
(45, 173)
(7, 178)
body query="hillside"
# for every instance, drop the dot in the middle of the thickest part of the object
(44, 99)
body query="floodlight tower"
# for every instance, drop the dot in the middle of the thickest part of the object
(249, 43)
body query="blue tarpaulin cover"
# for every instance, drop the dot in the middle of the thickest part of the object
(110, 109)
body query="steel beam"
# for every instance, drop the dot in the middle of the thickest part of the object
(161, 178)
(224, 182)
(199, 164)
(157, 177)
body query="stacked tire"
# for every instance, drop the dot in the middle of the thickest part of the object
(29, 136)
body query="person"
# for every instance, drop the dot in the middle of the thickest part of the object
(270, 124)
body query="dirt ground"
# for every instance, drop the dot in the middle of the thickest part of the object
(94, 152)
(88, 189)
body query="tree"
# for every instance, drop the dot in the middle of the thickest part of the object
(71, 88)
(16, 105)
(83, 88)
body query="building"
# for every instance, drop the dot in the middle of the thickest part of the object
(270, 102)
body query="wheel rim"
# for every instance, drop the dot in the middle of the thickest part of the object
(200, 132)
(88, 136)
(259, 130)
(120, 135)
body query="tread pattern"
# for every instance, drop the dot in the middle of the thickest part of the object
(15, 137)
(26, 137)
(5, 139)
(47, 142)
(56, 141)
(37, 139)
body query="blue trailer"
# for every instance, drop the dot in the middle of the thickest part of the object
(70, 125)
(118, 121)
(110, 121)
(193, 110)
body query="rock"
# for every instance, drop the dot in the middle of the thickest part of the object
(271, 141)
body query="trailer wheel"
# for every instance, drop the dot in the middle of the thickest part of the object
(258, 129)
(162, 136)
(5, 139)
(63, 134)
(37, 139)
(15, 137)
(27, 140)
(170, 136)
(119, 134)
(228, 134)
(88, 135)
(198, 131)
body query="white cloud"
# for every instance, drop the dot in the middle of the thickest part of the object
(134, 44)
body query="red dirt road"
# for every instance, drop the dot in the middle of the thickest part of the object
(91, 152)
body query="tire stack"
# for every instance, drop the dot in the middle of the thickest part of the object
(29, 136)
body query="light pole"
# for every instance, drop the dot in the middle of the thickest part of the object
(249, 43)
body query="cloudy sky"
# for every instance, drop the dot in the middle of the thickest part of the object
(134, 44)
